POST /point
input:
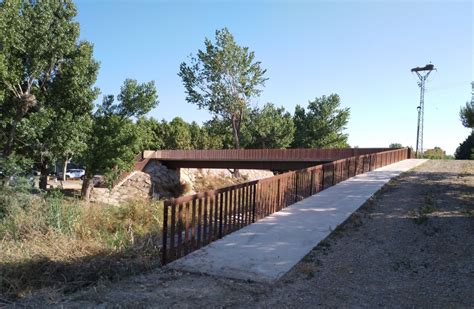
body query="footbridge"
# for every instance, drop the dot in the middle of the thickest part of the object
(195, 221)
(277, 160)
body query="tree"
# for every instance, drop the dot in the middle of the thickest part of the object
(223, 79)
(201, 139)
(177, 135)
(115, 140)
(395, 145)
(322, 125)
(69, 100)
(270, 127)
(220, 134)
(467, 115)
(435, 154)
(47, 82)
(465, 151)
(151, 134)
(36, 39)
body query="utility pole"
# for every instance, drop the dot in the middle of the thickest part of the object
(421, 108)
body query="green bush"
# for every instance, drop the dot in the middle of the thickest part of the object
(465, 151)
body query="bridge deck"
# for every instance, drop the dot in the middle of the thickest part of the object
(269, 159)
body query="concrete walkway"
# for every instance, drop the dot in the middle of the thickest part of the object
(267, 249)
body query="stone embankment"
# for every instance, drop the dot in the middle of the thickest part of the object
(159, 182)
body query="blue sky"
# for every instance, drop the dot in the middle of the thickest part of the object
(361, 50)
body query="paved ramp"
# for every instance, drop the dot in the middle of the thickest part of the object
(267, 249)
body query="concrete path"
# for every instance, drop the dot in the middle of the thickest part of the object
(267, 249)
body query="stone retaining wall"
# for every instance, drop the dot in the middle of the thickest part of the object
(157, 181)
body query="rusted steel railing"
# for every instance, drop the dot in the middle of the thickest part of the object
(191, 222)
(261, 154)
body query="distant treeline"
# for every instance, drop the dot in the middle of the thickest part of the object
(266, 127)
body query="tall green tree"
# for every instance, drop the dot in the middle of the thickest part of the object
(467, 115)
(223, 79)
(115, 138)
(69, 100)
(36, 40)
(322, 125)
(270, 127)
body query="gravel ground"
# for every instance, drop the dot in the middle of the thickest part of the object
(411, 245)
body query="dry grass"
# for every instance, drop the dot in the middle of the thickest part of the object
(51, 241)
(211, 182)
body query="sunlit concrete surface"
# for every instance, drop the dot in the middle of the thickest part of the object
(267, 249)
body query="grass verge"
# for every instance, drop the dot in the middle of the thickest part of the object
(47, 240)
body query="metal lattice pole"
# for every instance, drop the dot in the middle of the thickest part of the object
(421, 108)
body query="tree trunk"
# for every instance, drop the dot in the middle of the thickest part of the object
(87, 186)
(43, 183)
(8, 148)
(64, 169)
(23, 105)
(235, 134)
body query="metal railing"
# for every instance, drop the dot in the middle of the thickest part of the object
(191, 222)
(261, 154)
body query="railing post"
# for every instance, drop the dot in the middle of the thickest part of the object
(221, 218)
(254, 201)
(333, 172)
(296, 187)
(356, 166)
(279, 193)
(164, 234)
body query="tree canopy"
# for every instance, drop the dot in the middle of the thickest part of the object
(223, 79)
(435, 154)
(465, 150)
(395, 145)
(46, 81)
(37, 39)
(467, 115)
(116, 141)
(322, 125)
(270, 127)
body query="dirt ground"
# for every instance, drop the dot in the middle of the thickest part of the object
(412, 245)
(71, 184)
